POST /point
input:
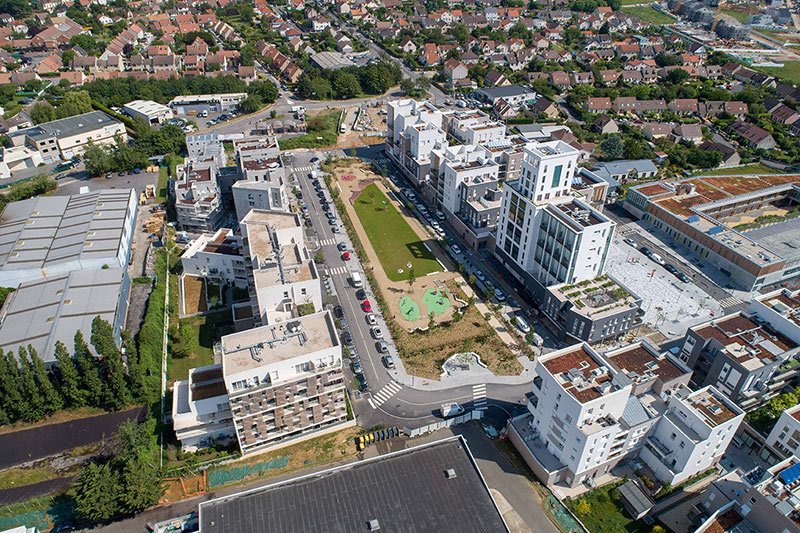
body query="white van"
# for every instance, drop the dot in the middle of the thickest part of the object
(658, 259)
(451, 409)
(355, 278)
(522, 324)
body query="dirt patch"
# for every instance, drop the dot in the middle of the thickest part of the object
(194, 295)
(180, 488)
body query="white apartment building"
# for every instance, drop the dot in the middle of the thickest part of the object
(201, 415)
(261, 183)
(544, 234)
(587, 412)
(284, 382)
(785, 435)
(216, 256)
(473, 127)
(282, 276)
(414, 129)
(276, 385)
(463, 164)
(198, 202)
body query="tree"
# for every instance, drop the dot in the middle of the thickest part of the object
(34, 409)
(273, 114)
(782, 402)
(407, 86)
(67, 56)
(50, 396)
(613, 147)
(42, 112)
(345, 85)
(97, 159)
(432, 321)
(315, 124)
(117, 392)
(251, 104)
(583, 507)
(74, 103)
(74, 394)
(423, 83)
(12, 400)
(92, 381)
(141, 487)
(96, 491)
(459, 33)
(677, 76)
(412, 277)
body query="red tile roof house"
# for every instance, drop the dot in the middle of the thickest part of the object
(784, 114)
(683, 106)
(752, 135)
(560, 79)
(598, 105)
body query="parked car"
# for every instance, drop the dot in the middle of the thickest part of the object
(347, 339)
(346, 256)
(388, 361)
(499, 296)
(456, 249)
(629, 241)
(338, 312)
(683, 277)
(342, 246)
(371, 320)
(357, 367)
(362, 382)
(480, 275)
(361, 295)
(645, 251)
(376, 332)
(671, 269)
(366, 306)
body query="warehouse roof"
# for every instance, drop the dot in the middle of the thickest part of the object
(433, 487)
(70, 126)
(41, 232)
(52, 309)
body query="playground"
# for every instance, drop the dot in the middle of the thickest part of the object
(409, 309)
(437, 301)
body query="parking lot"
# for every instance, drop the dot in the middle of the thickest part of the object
(666, 300)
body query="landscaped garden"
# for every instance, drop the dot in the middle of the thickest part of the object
(601, 510)
(398, 247)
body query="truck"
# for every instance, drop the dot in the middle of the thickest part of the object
(300, 110)
(451, 409)
(355, 278)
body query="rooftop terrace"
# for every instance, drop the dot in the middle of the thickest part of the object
(580, 374)
(641, 365)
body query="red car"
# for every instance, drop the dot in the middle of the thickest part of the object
(346, 256)
(367, 306)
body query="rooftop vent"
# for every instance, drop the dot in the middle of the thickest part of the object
(373, 525)
(450, 473)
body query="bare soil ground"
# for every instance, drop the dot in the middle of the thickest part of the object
(194, 295)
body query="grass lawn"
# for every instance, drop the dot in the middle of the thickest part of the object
(606, 513)
(741, 16)
(790, 71)
(327, 136)
(20, 477)
(755, 168)
(197, 336)
(634, 2)
(161, 188)
(392, 238)
(649, 14)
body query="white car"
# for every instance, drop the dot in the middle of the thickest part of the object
(499, 296)
(480, 275)
(371, 320)
(456, 249)
(376, 332)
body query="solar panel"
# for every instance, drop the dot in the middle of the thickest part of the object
(693, 218)
(791, 474)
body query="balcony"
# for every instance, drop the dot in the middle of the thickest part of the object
(658, 449)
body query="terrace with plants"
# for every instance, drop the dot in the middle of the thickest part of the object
(596, 297)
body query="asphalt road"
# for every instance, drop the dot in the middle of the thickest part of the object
(408, 406)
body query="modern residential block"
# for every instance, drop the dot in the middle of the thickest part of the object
(216, 256)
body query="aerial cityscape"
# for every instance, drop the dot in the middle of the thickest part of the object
(373, 265)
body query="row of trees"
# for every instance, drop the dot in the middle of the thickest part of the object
(125, 482)
(349, 82)
(31, 392)
(71, 104)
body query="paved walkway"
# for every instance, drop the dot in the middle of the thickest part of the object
(455, 379)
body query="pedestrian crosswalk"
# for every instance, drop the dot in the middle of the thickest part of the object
(337, 270)
(625, 230)
(730, 301)
(479, 397)
(383, 395)
(381, 162)
(304, 169)
(326, 242)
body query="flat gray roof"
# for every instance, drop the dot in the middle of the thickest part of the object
(70, 126)
(331, 60)
(407, 491)
(39, 232)
(782, 238)
(52, 309)
(505, 90)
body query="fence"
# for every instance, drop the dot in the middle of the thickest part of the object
(223, 477)
(442, 424)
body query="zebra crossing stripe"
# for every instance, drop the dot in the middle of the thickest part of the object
(371, 403)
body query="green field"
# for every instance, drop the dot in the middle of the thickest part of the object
(790, 71)
(391, 237)
(741, 16)
(321, 133)
(649, 14)
(605, 512)
(634, 2)
(756, 168)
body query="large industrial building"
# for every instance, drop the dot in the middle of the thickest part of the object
(52, 235)
(718, 218)
(431, 487)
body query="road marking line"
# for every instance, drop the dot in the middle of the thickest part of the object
(371, 403)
